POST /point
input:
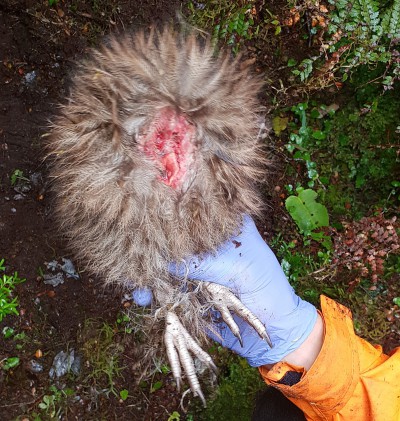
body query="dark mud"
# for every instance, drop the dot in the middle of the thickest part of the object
(38, 48)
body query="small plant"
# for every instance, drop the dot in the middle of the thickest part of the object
(9, 363)
(8, 332)
(305, 139)
(175, 416)
(8, 305)
(297, 261)
(304, 69)
(102, 353)
(363, 247)
(233, 400)
(230, 22)
(123, 394)
(53, 403)
(370, 31)
(343, 153)
(306, 212)
(17, 176)
(125, 321)
(350, 34)
(156, 386)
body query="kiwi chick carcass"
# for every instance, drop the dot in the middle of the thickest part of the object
(155, 158)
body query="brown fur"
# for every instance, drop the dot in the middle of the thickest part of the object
(122, 222)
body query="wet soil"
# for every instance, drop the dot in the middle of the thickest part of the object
(38, 48)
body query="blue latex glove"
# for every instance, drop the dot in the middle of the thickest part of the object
(247, 266)
(142, 296)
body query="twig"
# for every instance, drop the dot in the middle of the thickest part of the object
(20, 403)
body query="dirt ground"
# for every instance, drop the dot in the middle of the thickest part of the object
(38, 48)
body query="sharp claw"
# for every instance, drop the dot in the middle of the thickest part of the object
(228, 319)
(213, 367)
(199, 393)
(178, 383)
(226, 301)
(267, 339)
(240, 339)
(172, 354)
(178, 343)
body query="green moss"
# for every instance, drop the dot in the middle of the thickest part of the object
(234, 398)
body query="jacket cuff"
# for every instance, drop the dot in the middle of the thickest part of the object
(331, 380)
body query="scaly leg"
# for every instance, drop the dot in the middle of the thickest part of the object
(179, 342)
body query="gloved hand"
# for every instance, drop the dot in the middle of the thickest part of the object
(247, 266)
(142, 296)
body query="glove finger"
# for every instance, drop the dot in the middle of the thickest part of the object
(142, 296)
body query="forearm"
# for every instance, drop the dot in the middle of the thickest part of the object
(307, 353)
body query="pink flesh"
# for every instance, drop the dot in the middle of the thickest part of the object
(169, 143)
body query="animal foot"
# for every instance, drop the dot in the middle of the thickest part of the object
(178, 343)
(225, 301)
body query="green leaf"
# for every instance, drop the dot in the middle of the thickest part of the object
(291, 62)
(315, 113)
(175, 416)
(124, 394)
(397, 301)
(306, 212)
(8, 332)
(279, 124)
(165, 369)
(318, 134)
(11, 363)
(156, 386)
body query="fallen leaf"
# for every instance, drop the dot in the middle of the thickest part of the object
(279, 124)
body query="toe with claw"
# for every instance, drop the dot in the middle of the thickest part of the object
(179, 344)
(225, 302)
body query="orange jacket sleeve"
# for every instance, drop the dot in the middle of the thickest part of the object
(350, 379)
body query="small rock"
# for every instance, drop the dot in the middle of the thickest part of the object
(34, 366)
(36, 179)
(65, 362)
(23, 187)
(53, 280)
(30, 77)
(67, 267)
